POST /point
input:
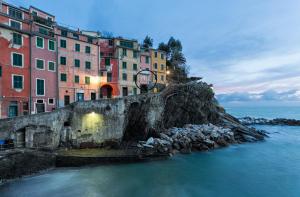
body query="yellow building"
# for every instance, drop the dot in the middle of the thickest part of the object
(129, 64)
(158, 61)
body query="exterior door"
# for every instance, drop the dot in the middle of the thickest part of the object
(93, 96)
(79, 96)
(40, 106)
(66, 100)
(125, 91)
(13, 109)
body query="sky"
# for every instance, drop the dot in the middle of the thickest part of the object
(249, 50)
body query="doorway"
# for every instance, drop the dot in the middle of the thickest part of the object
(40, 106)
(66, 100)
(13, 109)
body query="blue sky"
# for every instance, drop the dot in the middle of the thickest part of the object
(249, 47)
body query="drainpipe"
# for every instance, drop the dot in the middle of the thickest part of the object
(30, 69)
(57, 73)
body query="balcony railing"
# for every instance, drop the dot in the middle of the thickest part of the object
(43, 21)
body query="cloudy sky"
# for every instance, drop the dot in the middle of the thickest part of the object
(249, 50)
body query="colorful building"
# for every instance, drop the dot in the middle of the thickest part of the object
(78, 63)
(14, 61)
(144, 77)
(128, 55)
(109, 69)
(43, 62)
(158, 61)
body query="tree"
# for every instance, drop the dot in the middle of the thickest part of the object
(148, 42)
(176, 61)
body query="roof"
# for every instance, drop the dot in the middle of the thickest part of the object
(41, 11)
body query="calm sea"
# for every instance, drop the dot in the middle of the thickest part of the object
(266, 169)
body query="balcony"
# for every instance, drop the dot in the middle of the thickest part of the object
(43, 21)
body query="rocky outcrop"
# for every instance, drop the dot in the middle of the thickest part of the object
(264, 121)
(194, 137)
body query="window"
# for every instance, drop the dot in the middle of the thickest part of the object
(17, 59)
(107, 61)
(39, 42)
(134, 66)
(39, 64)
(162, 56)
(155, 65)
(34, 13)
(90, 40)
(155, 54)
(110, 42)
(51, 45)
(109, 77)
(63, 77)
(88, 49)
(40, 87)
(162, 78)
(76, 79)
(79, 96)
(44, 31)
(147, 60)
(101, 54)
(134, 91)
(49, 19)
(17, 38)
(162, 67)
(64, 33)
(135, 54)
(0, 71)
(77, 63)
(124, 52)
(17, 81)
(134, 78)
(51, 101)
(63, 43)
(76, 36)
(15, 24)
(126, 44)
(110, 54)
(124, 76)
(87, 65)
(124, 65)
(63, 60)
(15, 13)
(87, 80)
(77, 47)
(51, 66)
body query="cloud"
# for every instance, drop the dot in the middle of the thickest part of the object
(269, 95)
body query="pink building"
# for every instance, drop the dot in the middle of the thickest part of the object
(78, 66)
(43, 62)
(144, 77)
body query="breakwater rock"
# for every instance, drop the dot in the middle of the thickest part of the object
(194, 137)
(264, 121)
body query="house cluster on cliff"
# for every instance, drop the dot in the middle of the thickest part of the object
(44, 66)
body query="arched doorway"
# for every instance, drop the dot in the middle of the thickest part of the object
(106, 91)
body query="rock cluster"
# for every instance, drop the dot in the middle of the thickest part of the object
(190, 137)
(264, 121)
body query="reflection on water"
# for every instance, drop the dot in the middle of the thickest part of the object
(270, 168)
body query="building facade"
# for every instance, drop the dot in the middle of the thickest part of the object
(14, 61)
(128, 55)
(158, 63)
(144, 76)
(78, 63)
(109, 69)
(44, 62)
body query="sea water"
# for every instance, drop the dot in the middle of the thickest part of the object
(267, 169)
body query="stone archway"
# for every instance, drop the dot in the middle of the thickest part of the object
(106, 91)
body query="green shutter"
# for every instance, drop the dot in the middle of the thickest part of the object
(76, 79)
(124, 76)
(51, 66)
(134, 66)
(18, 82)
(63, 77)
(77, 47)
(17, 38)
(107, 61)
(63, 43)
(40, 87)
(39, 42)
(63, 60)
(39, 64)
(87, 49)
(0, 71)
(134, 78)
(51, 45)
(134, 91)
(77, 63)
(124, 65)
(17, 60)
(88, 65)
(87, 80)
